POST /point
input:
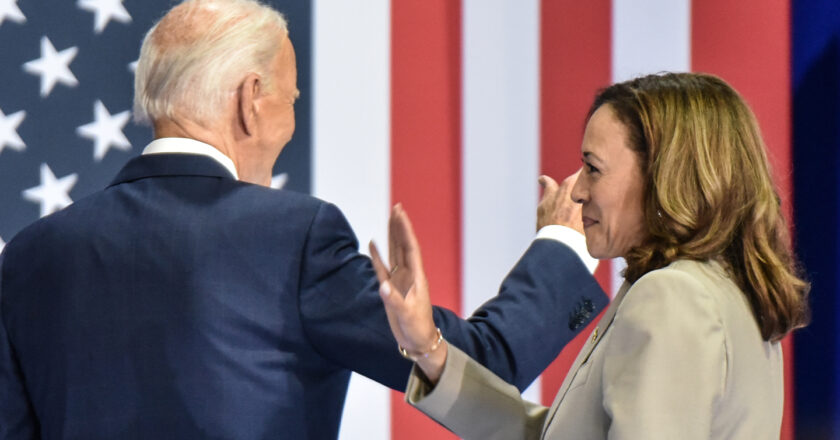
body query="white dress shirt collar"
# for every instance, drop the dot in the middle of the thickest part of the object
(190, 146)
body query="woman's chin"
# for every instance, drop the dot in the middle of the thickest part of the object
(595, 251)
(599, 253)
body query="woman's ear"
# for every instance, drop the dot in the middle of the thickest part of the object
(249, 93)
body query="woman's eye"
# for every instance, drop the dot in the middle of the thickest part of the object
(591, 169)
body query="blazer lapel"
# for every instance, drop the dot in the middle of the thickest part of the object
(594, 338)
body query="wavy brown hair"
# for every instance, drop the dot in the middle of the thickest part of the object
(708, 191)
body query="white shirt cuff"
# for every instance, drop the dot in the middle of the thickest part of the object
(572, 239)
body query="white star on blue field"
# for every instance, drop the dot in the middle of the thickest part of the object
(104, 11)
(65, 114)
(66, 106)
(9, 137)
(52, 194)
(9, 10)
(106, 131)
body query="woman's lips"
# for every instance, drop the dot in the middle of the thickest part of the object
(587, 222)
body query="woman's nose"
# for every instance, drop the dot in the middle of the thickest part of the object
(580, 193)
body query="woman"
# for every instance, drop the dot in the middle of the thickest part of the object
(675, 180)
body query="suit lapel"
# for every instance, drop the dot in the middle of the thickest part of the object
(594, 338)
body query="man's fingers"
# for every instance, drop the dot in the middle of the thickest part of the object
(569, 183)
(545, 208)
(549, 185)
(556, 206)
(568, 212)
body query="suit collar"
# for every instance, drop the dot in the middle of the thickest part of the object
(176, 164)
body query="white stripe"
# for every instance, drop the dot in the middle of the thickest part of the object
(648, 36)
(500, 155)
(351, 152)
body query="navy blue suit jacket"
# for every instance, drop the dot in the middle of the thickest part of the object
(180, 303)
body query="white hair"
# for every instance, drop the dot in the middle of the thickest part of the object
(198, 53)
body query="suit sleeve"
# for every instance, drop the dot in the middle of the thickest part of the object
(472, 402)
(17, 419)
(544, 302)
(665, 364)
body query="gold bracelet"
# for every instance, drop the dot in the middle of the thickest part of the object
(415, 356)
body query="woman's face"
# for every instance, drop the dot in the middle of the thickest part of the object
(609, 187)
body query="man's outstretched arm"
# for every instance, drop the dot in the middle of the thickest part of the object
(516, 334)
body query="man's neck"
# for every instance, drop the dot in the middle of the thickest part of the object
(249, 168)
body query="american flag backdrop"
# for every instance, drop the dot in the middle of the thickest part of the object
(452, 107)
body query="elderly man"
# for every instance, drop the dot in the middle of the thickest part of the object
(187, 300)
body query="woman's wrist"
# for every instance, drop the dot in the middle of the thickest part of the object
(414, 354)
(431, 359)
(433, 364)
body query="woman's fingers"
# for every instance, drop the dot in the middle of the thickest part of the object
(382, 272)
(394, 308)
(403, 289)
(410, 321)
(400, 274)
(396, 244)
(401, 319)
(411, 249)
(408, 231)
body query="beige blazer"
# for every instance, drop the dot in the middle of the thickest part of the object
(677, 355)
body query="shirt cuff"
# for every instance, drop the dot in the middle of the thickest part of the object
(572, 239)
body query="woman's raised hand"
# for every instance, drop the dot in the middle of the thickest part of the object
(405, 294)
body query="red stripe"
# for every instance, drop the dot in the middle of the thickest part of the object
(574, 63)
(747, 43)
(426, 157)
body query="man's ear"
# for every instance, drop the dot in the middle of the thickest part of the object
(249, 93)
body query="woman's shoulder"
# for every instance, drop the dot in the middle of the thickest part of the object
(707, 276)
(684, 286)
(689, 288)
